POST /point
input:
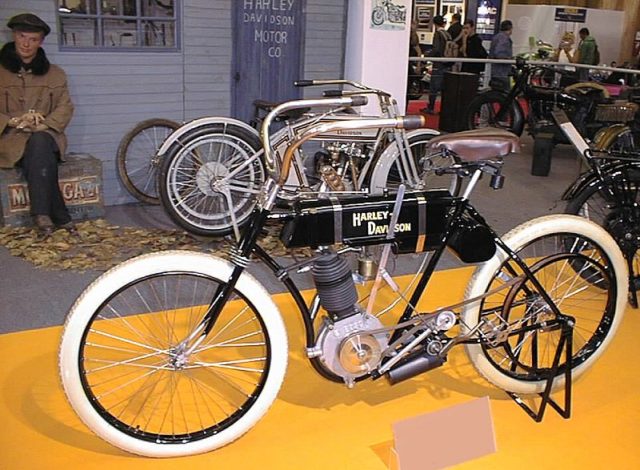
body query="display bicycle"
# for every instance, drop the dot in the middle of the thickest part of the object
(178, 353)
(213, 168)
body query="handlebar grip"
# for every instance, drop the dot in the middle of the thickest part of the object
(413, 122)
(303, 83)
(332, 93)
(359, 100)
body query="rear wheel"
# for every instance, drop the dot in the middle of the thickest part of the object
(137, 158)
(390, 172)
(488, 110)
(583, 272)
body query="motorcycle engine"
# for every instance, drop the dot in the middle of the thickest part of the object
(349, 347)
(347, 344)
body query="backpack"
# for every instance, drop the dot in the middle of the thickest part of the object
(451, 48)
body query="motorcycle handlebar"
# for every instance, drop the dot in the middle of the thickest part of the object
(413, 122)
(349, 101)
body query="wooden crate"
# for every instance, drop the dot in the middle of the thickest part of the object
(80, 180)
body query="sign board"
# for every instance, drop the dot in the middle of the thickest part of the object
(268, 42)
(445, 437)
(571, 15)
(488, 18)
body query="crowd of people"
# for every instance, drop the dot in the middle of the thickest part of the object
(469, 44)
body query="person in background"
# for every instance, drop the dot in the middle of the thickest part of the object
(501, 48)
(472, 48)
(34, 111)
(586, 54)
(563, 55)
(440, 38)
(455, 31)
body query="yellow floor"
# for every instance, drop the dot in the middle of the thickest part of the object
(316, 424)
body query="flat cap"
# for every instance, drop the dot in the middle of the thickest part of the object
(28, 22)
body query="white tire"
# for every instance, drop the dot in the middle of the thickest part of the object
(604, 301)
(207, 402)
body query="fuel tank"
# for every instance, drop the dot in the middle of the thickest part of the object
(364, 220)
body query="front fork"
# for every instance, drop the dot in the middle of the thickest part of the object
(240, 257)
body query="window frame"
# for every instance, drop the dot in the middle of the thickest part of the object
(97, 22)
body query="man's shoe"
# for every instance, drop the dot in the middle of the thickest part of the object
(70, 227)
(44, 225)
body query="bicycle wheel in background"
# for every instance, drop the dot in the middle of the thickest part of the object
(210, 179)
(137, 159)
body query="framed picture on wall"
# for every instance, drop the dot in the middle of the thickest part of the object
(424, 15)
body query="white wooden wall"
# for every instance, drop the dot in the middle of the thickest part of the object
(113, 91)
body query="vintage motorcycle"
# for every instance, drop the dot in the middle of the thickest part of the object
(212, 168)
(588, 105)
(178, 353)
(608, 193)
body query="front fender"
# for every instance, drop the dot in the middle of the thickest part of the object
(589, 179)
(387, 157)
(607, 136)
(201, 122)
(583, 181)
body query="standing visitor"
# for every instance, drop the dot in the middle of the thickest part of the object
(455, 31)
(501, 48)
(440, 38)
(587, 54)
(472, 48)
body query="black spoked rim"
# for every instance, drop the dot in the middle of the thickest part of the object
(128, 403)
(528, 355)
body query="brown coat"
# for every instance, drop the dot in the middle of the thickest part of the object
(23, 91)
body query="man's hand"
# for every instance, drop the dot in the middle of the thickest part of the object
(31, 122)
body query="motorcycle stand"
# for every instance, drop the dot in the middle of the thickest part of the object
(565, 344)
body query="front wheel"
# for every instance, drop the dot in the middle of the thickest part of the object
(417, 169)
(130, 375)
(211, 179)
(615, 205)
(488, 110)
(581, 269)
(378, 16)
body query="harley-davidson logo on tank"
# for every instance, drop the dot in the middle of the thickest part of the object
(377, 222)
(365, 220)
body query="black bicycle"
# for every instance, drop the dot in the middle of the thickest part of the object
(179, 352)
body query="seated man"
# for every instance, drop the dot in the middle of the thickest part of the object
(34, 111)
